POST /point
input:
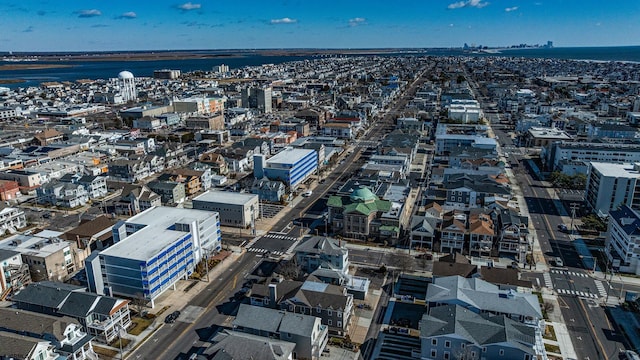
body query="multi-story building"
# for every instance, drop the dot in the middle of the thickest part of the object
(171, 192)
(357, 215)
(257, 98)
(62, 194)
(27, 179)
(623, 240)
(557, 154)
(9, 190)
(14, 274)
(322, 252)
(291, 166)
(152, 251)
(49, 256)
(513, 235)
(129, 170)
(235, 209)
(96, 186)
(267, 190)
(481, 234)
(612, 185)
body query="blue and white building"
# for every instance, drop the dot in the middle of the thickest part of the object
(152, 251)
(291, 166)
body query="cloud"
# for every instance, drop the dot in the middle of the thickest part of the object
(99, 26)
(284, 20)
(127, 15)
(88, 13)
(189, 6)
(357, 21)
(41, 12)
(468, 3)
(28, 29)
(510, 9)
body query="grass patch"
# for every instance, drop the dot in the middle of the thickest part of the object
(117, 343)
(552, 348)
(104, 352)
(539, 295)
(139, 325)
(550, 333)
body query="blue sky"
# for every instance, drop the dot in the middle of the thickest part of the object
(74, 25)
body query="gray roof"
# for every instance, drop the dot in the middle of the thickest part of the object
(46, 294)
(79, 304)
(18, 346)
(479, 294)
(480, 329)
(321, 245)
(8, 254)
(240, 346)
(32, 322)
(274, 321)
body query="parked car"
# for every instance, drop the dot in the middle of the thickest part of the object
(562, 227)
(171, 318)
(558, 261)
(307, 193)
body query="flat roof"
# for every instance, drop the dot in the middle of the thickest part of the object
(226, 197)
(148, 241)
(548, 133)
(289, 156)
(616, 170)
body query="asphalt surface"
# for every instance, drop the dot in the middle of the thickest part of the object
(179, 339)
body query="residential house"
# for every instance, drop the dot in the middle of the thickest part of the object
(9, 190)
(453, 232)
(267, 190)
(472, 191)
(171, 192)
(47, 137)
(11, 219)
(453, 332)
(423, 231)
(67, 336)
(216, 161)
(513, 234)
(135, 199)
(100, 316)
(306, 331)
(482, 233)
(96, 186)
(454, 264)
(231, 345)
(129, 170)
(23, 347)
(62, 194)
(14, 274)
(321, 252)
(94, 234)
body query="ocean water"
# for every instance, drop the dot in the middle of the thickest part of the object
(110, 69)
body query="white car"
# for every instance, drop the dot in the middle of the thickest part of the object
(307, 194)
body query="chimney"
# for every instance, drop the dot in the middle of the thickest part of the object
(273, 294)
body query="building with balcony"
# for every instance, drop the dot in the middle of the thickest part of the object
(100, 316)
(11, 219)
(611, 185)
(291, 166)
(513, 235)
(623, 240)
(152, 251)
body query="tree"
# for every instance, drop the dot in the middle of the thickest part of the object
(290, 270)
(403, 261)
(139, 302)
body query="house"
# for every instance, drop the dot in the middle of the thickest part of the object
(320, 252)
(171, 192)
(306, 331)
(482, 233)
(216, 161)
(129, 170)
(96, 186)
(267, 190)
(100, 316)
(453, 332)
(331, 303)
(47, 137)
(135, 199)
(64, 333)
(9, 190)
(453, 231)
(189, 178)
(513, 235)
(423, 232)
(231, 345)
(62, 194)
(94, 234)
(11, 219)
(23, 347)
(479, 296)
(471, 191)
(454, 264)
(14, 274)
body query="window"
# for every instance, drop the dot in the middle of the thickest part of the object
(339, 324)
(330, 323)
(434, 342)
(501, 352)
(329, 312)
(447, 344)
(484, 349)
(434, 354)
(473, 354)
(462, 345)
(318, 310)
(527, 357)
(339, 314)
(446, 355)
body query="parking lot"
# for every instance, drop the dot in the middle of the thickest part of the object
(269, 211)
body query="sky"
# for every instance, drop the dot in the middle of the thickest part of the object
(101, 25)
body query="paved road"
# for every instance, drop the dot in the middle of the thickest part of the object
(170, 341)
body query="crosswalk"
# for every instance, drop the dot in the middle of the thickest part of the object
(547, 280)
(571, 273)
(577, 293)
(262, 251)
(601, 289)
(280, 237)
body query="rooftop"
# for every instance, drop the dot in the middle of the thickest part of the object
(225, 197)
(289, 156)
(629, 171)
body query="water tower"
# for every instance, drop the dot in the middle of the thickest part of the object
(127, 83)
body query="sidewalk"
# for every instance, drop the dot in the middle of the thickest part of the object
(563, 339)
(172, 300)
